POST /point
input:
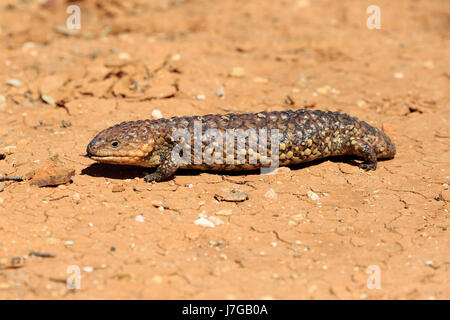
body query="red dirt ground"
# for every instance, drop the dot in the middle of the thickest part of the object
(133, 240)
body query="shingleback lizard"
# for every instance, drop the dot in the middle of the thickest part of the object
(303, 135)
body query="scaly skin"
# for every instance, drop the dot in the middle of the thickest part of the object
(304, 136)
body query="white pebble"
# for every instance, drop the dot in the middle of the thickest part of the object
(157, 114)
(47, 99)
(237, 72)
(140, 218)
(14, 82)
(271, 194)
(216, 221)
(201, 97)
(398, 75)
(204, 223)
(224, 212)
(360, 103)
(2, 102)
(124, 56)
(220, 92)
(312, 195)
(76, 196)
(88, 269)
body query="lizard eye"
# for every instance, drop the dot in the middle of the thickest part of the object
(115, 144)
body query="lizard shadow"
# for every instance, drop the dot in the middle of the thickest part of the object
(130, 172)
(113, 171)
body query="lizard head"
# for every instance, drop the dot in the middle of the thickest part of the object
(127, 143)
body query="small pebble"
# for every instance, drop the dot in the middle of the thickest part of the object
(220, 92)
(48, 99)
(76, 196)
(88, 269)
(312, 195)
(2, 187)
(270, 194)
(360, 103)
(312, 288)
(124, 56)
(157, 203)
(157, 279)
(237, 72)
(233, 195)
(69, 243)
(53, 241)
(201, 97)
(14, 83)
(224, 212)
(302, 3)
(29, 45)
(323, 90)
(2, 102)
(260, 80)
(216, 221)
(2, 200)
(140, 218)
(398, 75)
(282, 170)
(157, 114)
(204, 223)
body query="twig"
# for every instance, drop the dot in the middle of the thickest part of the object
(11, 178)
(41, 254)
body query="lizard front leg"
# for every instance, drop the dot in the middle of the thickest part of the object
(165, 170)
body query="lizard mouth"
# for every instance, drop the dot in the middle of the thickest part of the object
(114, 159)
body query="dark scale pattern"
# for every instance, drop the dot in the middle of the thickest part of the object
(304, 135)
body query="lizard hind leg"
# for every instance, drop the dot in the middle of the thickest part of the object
(364, 150)
(164, 171)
